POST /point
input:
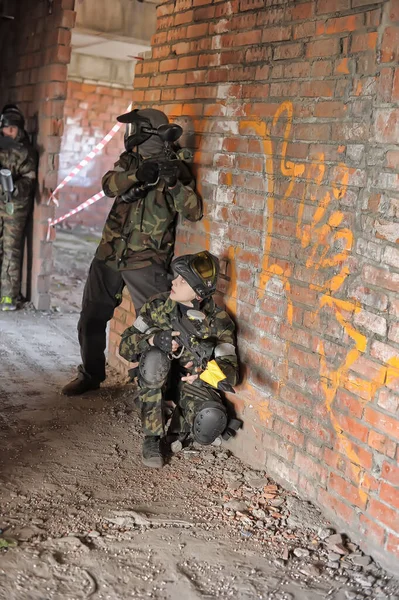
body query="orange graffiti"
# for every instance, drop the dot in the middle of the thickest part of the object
(231, 303)
(328, 245)
(261, 407)
(288, 168)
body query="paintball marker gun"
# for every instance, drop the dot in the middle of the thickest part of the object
(166, 169)
(7, 143)
(8, 187)
(195, 337)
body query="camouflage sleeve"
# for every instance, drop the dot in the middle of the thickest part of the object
(24, 183)
(225, 350)
(186, 201)
(122, 177)
(135, 338)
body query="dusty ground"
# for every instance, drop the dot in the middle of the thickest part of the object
(72, 257)
(89, 521)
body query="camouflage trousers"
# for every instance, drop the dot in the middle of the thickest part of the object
(12, 229)
(188, 399)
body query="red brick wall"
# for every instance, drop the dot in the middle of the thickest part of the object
(90, 113)
(295, 111)
(123, 318)
(35, 51)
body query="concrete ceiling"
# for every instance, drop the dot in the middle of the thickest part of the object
(101, 46)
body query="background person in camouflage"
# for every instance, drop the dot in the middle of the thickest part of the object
(192, 287)
(138, 237)
(18, 156)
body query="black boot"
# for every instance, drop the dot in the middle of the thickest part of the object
(179, 441)
(79, 386)
(152, 456)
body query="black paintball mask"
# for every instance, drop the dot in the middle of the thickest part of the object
(11, 116)
(199, 270)
(150, 129)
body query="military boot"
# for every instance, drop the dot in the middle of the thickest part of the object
(79, 386)
(7, 303)
(152, 456)
(179, 441)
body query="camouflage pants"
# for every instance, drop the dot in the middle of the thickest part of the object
(188, 400)
(11, 239)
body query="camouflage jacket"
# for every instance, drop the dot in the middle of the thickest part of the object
(158, 313)
(21, 161)
(140, 232)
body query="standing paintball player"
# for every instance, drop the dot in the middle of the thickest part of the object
(186, 346)
(18, 178)
(151, 185)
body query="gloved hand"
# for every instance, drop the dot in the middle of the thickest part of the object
(165, 340)
(134, 193)
(224, 386)
(148, 172)
(169, 172)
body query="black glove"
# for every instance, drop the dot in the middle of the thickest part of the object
(148, 172)
(224, 386)
(185, 175)
(174, 171)
(134, 193)
(169, 172)
(163, 340)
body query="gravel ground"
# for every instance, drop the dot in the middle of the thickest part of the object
(80, 517)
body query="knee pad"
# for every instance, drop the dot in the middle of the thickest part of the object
(154, 368)
(209, 422)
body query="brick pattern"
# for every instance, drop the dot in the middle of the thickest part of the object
(90, 113)
(292, 109)
(36, 54)
(123, 318)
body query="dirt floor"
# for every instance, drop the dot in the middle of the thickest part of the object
(80, 517)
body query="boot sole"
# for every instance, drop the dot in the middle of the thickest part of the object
(153, 463)
(80, 393)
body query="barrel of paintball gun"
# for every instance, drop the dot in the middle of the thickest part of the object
(6, 181)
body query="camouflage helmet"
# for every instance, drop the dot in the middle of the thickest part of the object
(11, 116)
(200, 270)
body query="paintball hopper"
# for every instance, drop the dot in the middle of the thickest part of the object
(168, 133)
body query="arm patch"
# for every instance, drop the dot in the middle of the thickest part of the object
(141, 325)
(225, 349)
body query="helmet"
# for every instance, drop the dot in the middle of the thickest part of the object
(141, 125)
(199, 270)
(11, 116)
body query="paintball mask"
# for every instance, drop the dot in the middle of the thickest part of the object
(12, 117)
(141, 125)
(199, 270)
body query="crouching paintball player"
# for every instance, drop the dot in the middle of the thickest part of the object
(185, 345)
(17, 184)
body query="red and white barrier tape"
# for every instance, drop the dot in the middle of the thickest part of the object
(82, 206)
(85, 161)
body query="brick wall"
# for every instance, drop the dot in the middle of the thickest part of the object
(90, 113)
(294, 116)
(35, 51)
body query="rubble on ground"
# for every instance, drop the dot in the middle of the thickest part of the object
(246, 505)
(80, 517)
